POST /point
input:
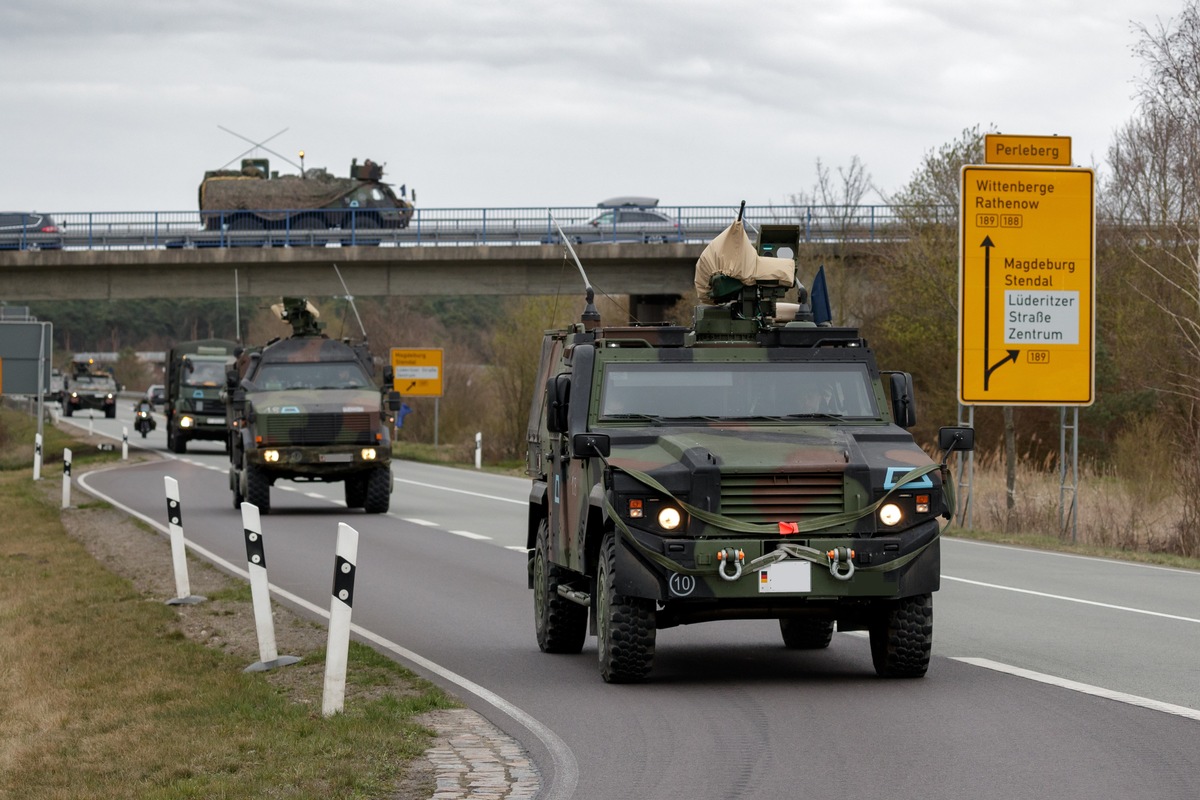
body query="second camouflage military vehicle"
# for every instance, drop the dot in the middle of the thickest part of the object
(743, 467)
(88, 387)
(194, 406)
(307, 408)
(255, 198)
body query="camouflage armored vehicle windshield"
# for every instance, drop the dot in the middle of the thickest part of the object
(752, 465)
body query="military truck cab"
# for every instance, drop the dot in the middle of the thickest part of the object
(752, 465)
(194, 407)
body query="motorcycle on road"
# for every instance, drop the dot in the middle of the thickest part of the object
(143, 422)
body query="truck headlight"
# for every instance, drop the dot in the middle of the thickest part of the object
(368, 454)
(271, 455)
(186, 421)
(669, 518)
(890, 515)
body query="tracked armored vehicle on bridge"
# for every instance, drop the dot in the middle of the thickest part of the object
(751, 465)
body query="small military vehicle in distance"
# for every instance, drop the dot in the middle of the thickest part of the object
(255, 198)
(194, 405)
(307, 408)
(751, 465)
(89, 387)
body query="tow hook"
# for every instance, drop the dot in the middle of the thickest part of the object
(841, 555)
(738, 557)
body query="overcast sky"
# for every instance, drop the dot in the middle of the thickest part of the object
(115, 106)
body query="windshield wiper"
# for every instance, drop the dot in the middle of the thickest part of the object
(644, 417)
(812, 415)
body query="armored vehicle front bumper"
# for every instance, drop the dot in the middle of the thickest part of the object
(324, 463)
(700, 579)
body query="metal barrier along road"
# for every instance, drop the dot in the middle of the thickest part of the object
(140, 230)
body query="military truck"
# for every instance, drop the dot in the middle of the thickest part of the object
(751, 465)
(194, 406)
(89, 387)
(255, 198)
(307, 408)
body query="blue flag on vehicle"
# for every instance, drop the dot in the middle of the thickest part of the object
(822, 315)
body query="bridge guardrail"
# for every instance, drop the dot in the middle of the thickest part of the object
(104, 230)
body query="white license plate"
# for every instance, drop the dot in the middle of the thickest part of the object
(336, 458)
(786, 576)
(216, 420)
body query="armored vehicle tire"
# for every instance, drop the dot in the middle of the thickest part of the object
(379, 491)
(258, 489)
(625, 625)
(67, 411)
(902, 637)
(561, 624)
(111, 412)
(175, 441)
(235, 485)
(356, 491)
(806, 633)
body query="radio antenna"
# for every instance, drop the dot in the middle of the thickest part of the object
(350, 298)
(590, 317)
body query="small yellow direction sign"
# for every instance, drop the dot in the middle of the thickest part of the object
(417, 372)
(999, 148)
(1026, 316)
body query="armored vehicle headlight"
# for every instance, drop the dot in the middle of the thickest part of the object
(186, 421)
(368, 454)
(669, 518)
(271, 455)
(890, 514)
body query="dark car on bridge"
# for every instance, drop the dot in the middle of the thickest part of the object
(29, 230)
(626, 219)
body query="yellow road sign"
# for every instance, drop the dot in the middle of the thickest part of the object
(417, 372)
(1000, 148)
(1026, 316)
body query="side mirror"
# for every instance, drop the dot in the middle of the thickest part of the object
(393, 402)
(558, 399)
(961, 439)
(589, 445)
(904, 407)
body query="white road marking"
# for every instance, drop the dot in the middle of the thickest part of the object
(518, 549)
(1084, 688)
(1072, 599)
(469, 535)
(424, 522)
(1055, 554)
(461, 491)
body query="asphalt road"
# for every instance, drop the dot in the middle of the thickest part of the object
(1053, 675)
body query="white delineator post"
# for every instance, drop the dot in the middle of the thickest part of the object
(66, 497)
(124, 444)
(479, 450)
(260, 593)
(37, 456)
(183, 587)
(337, 649)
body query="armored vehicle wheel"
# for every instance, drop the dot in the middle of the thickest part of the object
(561, 624)
(111, 412)
(902, 637)
(258, 489)
(379, 491)
(356, 491)
(806, 633)
(175, 441)
(625, 625)
(67, 411)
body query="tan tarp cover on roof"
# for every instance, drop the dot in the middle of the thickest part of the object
(731, 254)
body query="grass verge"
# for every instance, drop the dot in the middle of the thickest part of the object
(105, 696)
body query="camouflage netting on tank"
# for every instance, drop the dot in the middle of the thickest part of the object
(236, 192)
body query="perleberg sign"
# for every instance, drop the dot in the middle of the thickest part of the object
(417, 372)
(1026, 316)
(999, 148)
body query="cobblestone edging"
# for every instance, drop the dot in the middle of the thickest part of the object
(474, 759)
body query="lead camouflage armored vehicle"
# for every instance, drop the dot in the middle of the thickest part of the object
(743, 467)
(194, 404)
(307, 408)
(88, 387)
